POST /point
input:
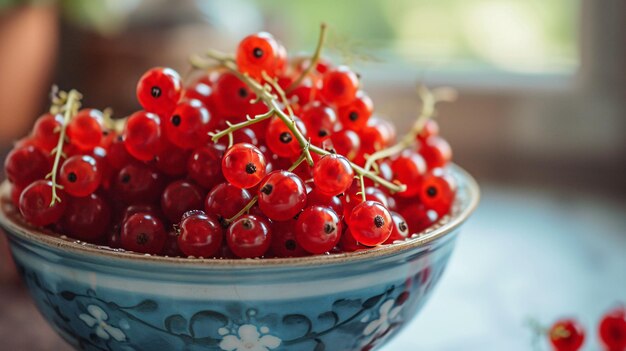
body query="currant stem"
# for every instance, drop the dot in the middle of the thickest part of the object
(362, 183)
(429, 101)
(248, 122)
(70, 109)
(245, 209)
(314, 59)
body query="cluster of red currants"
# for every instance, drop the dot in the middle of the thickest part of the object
(166, 185)
(569, 334)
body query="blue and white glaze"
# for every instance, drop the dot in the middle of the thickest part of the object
(103, 300)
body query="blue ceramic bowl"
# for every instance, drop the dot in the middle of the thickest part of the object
(102, 299)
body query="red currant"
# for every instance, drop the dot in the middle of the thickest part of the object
(339, 86)
(613, 330)
(26, 164)
(356, 114)
(282, 195)
(320, 121)
(333, 174)
(138, 183)
(349, 244)
(430, 128)
(159, 90)
(436, 151)
(249, 236)
(85, 129)
(143, 135)
(86, 218)
(316, 198)
(566, 335)
(117, 155)
(244, 165)
(345, 142)
(226, 200)
(418, 217)
(400, 229)
(173, 160)
(144, 233)
(318, 229)
(257, 53)
(189, 125)
(200, 235)
(281, 141)
(409, 168)
(232, 96)
(46, 131)
(284, 242)
(80, 175)
(204, 165)
(35, 203)
(371, 223)
(438, 191)
(179, 197)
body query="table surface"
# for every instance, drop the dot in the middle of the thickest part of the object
(527, 253)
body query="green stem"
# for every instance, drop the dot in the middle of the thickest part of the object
(248, 122)
(314, 59)
(244, 210)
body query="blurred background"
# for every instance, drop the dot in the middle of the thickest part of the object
(540, 122)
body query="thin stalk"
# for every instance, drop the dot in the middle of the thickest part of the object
(313, 62)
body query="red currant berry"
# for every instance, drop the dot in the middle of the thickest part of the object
(345, 142)
(409, 168)
(436, 152)
(243, 135)
(566, 335)
(80, 175)
(16, 191)
(333, 174)
(430, 128)
(438, 191)
(316, 198)
(144, 233)
(200, 236)
(46, 131)
(200, 91)
(86, 218)
(339, 86)
(301, 95)
(189, 125)
(371, 223)
(85, 129)
(249, 236)
(284, 242)
(613, 330)
(117, 155)
(26, 164)
(320, 122)
(318, 229)
(173, 160)
(349, 244)
(418, 217)
(138, 183)
(232, 96)
(400, 229)
(244, 165)
(282, 195)
(257, 53)
(281, 141)
(151, 209)
(179, 197)
(143, 135)
(35, 203)
(356, 114)
(226, 200)
(204, 166)
(171, 248)
(159, 90)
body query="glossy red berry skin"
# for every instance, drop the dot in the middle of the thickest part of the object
(189, 125)
(612, 330)
(86, 218)
(281, 141)
(345, 142)
(226, 200)
(349, 244)
(430, 128)
(284, 242)
(80, 175)
(339, 86)
(438, 191)
(200, 91)
(143, 233)
(232, 96)
(26, 164)
(282, 195)
(371, 223)
(320, 121)
(159, 90)
(257, 53)
(318, 229)
(355, 115)
(35, 203)
(138, 183)
(179, 197)
(143, 135)
(204, 165)
(333, 174)
(244, 165)
(436, 152)
(409, 169)
(316, 198)
(16, 191)
(400, 229)
(566, 335)
(85, 129)
(46, 131)
(249, 236)
(117, 155)
(200, 235)
(418, 217)
(172, 160)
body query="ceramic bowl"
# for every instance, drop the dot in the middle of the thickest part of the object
(102, 299)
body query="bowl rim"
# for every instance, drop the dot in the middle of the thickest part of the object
(15, 225)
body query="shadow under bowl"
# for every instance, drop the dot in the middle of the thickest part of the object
(98, 298)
